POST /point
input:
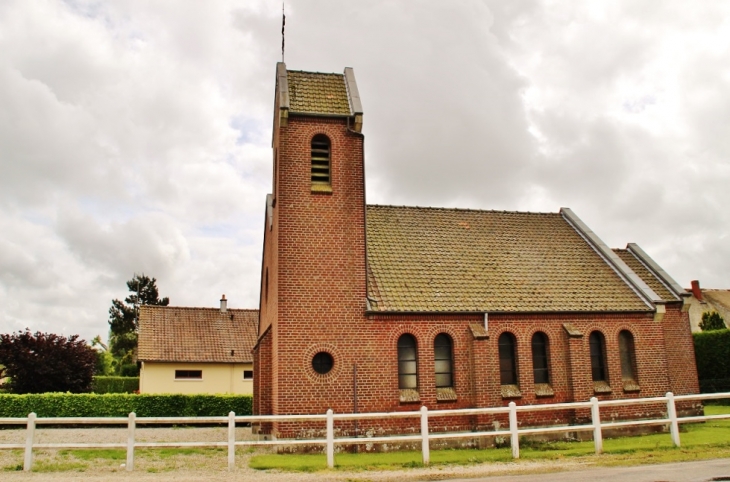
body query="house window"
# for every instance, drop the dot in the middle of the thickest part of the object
(322, 362)
(628, 356)
(598, 357)
(507, 359)
(442, 361)
(188, 374)
(540, 369)
(320, 159)
(407, 362)
(248, 374)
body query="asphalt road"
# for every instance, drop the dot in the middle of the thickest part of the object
(703, 471)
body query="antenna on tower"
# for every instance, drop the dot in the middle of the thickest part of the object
(283, 23)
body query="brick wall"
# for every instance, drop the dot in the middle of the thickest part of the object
(680, 349)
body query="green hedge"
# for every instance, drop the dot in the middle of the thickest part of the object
(102, 384)
(712, 350)
(121, 404)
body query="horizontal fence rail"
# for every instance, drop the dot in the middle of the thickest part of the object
(512, 410)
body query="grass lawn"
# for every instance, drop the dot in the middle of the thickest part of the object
(699, 441)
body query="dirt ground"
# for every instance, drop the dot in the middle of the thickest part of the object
(200, 464)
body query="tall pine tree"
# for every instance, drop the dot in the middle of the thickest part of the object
(124, 317)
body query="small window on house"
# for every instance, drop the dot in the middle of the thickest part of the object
(188, 374)
(248, 374)
(507, 359)
(628, 356)
(322, 362)
(443, 362)
(407, 362)
(540, 369)
(598, 357)
(320, 159)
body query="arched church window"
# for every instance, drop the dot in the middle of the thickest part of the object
(540, 369)
(442, 353)
(507, 359)
(407, 362)
(598, 357)
(628, 356)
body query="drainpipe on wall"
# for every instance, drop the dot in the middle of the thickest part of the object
(486, 322)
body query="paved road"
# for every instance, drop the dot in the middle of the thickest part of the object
(703, 471)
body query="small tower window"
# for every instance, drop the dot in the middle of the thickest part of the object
(320, 159)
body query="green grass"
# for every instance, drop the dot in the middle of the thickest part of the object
(120, 454)
(166, 453)
(699, 441)
(95, 454)
(59, 466)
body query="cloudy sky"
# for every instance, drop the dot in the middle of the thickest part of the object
(135, 135)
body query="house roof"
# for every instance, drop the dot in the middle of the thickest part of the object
(456, 260)
(178, 334)
(649, 277)
(717, 297)
(317, 93)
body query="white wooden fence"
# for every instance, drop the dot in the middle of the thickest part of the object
(514, 432)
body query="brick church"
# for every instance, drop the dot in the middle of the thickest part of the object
(368, 308)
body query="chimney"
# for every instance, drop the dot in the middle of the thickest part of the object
(224, 304)
(696, 291)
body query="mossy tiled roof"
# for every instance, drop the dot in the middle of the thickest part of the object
(454, 260)
(718, 297)
(645, 274)
(177, 334)
(317, 93)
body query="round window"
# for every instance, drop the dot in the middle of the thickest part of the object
(322, 362)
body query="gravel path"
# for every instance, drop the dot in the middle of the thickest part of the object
(204, 464)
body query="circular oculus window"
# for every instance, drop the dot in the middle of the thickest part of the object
(322, 362)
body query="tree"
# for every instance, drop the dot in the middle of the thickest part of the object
(104, 359)
(44, 362)
(711, 320)
(124, 317)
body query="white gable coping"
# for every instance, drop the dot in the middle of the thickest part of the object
(662, 275)
(622, 269)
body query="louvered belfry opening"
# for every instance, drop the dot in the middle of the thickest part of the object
(320, 159)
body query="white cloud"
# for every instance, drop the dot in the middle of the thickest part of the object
(135, 136)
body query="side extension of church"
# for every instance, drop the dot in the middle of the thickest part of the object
(383, 308)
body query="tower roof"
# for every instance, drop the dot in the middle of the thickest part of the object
(317, 93)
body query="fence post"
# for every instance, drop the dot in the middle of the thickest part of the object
(29, 436)
(330, 439)
(425, 448)
(596, 419)
(231, 440)
(514, 438)
(672, 415)
(130, 441)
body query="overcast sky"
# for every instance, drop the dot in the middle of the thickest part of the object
(135, 135)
